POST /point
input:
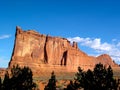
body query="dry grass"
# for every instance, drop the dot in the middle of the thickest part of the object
(63, 78)
(116, 71)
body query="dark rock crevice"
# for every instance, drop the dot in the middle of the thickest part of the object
(64, 59)
(45, 51)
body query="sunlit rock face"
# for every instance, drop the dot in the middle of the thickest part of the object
(44, 52)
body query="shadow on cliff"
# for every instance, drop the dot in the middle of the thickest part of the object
(64, 59)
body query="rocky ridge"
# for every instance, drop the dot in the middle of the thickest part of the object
(44, 52)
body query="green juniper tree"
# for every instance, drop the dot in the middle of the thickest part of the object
(100, 78)
(88, 85)
(79, 78)
(100, 74)
(104, 78)
(52, 82)
(70, 86)
(6, 82)
(0, 83)
(111, 82)
(20, 79)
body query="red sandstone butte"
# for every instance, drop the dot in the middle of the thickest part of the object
(43, 52)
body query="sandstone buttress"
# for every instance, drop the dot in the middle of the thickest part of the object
(44, 52)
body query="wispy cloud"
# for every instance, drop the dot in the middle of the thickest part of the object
(5, 36)
(113, 49)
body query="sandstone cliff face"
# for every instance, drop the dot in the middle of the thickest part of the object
(44, 52)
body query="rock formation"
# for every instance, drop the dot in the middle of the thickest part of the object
(43, 52)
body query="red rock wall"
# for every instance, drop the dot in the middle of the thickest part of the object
(40, 51)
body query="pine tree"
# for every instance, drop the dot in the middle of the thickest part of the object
(52, 82)
(111, 82)
(20, 79)
(71, 86)
(6, 82)
(0, 83)
(79, 78)
(89, 80)
(100, 78)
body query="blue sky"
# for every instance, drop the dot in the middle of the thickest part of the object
(94, 24)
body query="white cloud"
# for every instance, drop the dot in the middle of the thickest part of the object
(5, 36)
(109, 48)
(92, 43)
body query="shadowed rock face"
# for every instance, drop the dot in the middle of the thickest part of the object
(43, 52)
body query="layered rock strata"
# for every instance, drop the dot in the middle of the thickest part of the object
(44, 52)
